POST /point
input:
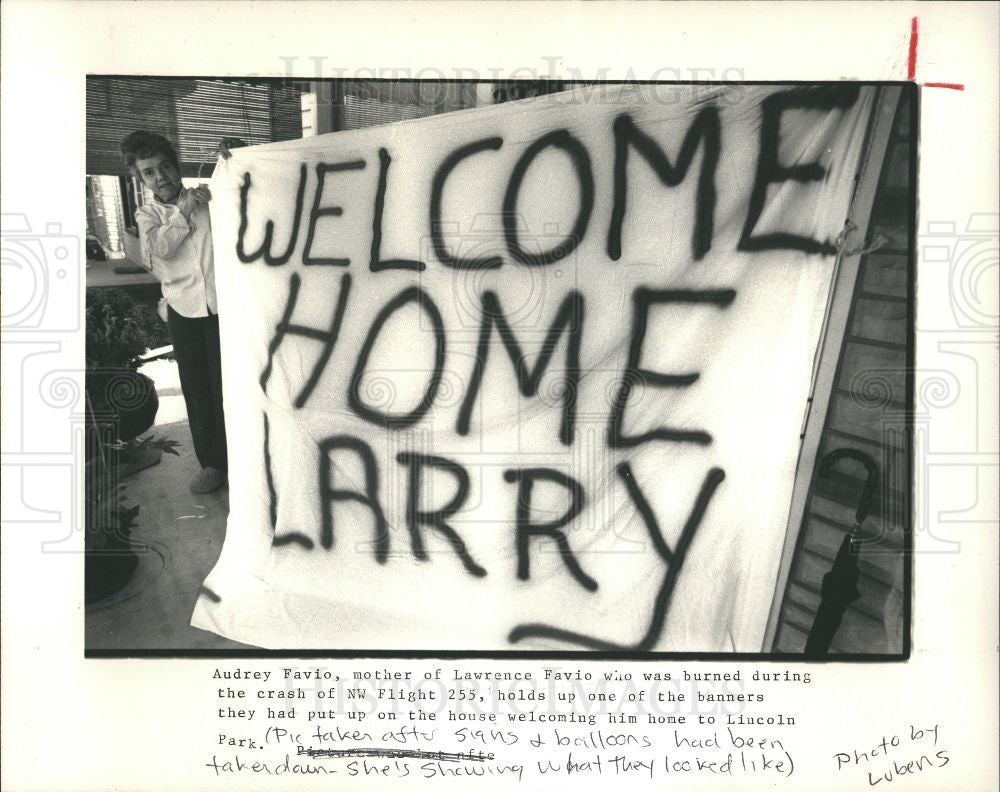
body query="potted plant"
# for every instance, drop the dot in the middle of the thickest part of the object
(118, 331)
(121, 404)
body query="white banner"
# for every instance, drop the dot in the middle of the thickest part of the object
(529, 376)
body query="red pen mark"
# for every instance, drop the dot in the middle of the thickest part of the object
(911, 62)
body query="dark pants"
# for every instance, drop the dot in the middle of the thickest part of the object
(196, 349)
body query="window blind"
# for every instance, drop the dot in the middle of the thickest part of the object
(373, 103)
(193, 113)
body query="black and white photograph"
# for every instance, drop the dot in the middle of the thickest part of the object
(523, 365)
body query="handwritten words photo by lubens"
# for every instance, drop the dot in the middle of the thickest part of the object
(530, 376)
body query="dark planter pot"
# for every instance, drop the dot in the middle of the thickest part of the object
(122, 405)
(123, 400)
(106, 574)
(109, 558)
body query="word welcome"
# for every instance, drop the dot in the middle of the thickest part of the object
(704, 133)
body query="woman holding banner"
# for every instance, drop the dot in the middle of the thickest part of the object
(176, 235)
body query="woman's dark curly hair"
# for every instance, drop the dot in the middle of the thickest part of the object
(140, 145)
